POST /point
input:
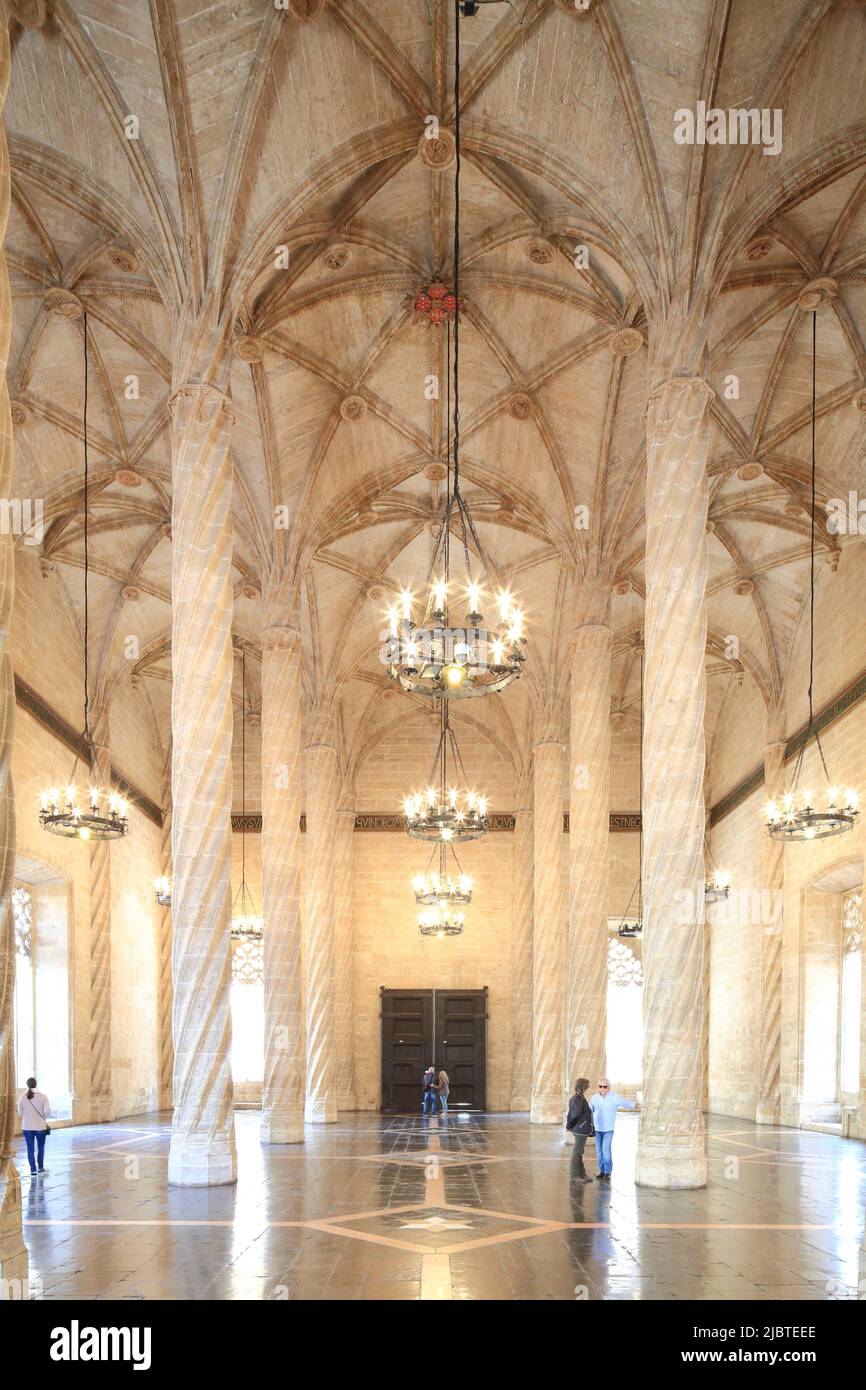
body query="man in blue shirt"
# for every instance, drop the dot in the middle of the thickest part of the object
(605, 1104)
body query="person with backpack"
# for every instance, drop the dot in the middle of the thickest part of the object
(33, 1108)
(579, 1125)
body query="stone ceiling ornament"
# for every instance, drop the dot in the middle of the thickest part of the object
(818, 293)
(127, 477)
(520, 406)
(103, 817)
(541, 251)
(435, 472)
(19, 412)
(122, 258)
(353, 408)
(576, 8)
(798, 816)
(435, 656)
(131, 593)
(248, 348)
(859, 401)
(747, 472)
(758, 248)
(744, 587)
(438, 151)
(63, 302)
(336, 255)
(626, 342)
(435, 303)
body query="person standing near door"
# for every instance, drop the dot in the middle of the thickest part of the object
(34, 1109)
(429, 1105)
(605, 1104)
(442, 1091)
(579, 1125)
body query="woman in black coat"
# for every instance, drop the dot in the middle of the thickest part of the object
(579, 1125)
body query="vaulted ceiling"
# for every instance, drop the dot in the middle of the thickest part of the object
(161, 152)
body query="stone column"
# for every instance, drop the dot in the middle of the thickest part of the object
(548, 946)
(202, 1149)
(101, 1097)
(589, 828)
(522, 896)
(344, 947)
(283, 1086)
(671, 1150)
(13, 1253)
(164, 987)
(768, 1109)
(321, 778)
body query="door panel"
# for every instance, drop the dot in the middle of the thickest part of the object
(447, 1027)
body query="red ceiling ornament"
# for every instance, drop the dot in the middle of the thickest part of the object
(436, 303)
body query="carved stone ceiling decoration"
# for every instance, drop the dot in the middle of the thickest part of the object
(256, 129)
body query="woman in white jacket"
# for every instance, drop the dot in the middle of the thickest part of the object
(34, 1109)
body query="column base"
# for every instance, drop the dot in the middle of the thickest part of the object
(768, 1111)
(320, 1112)
(14, 1263)
(102, 1109)
(277, 1128)
(201, 1160)
(520, 1103)
(547, 1110)
(347, 1102)
(671, 1163)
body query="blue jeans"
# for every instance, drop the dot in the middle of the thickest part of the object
(429, 1102)
(443, 1100)
(603, 1147)
(39, 1136)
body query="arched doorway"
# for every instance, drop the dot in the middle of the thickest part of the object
(40, 908)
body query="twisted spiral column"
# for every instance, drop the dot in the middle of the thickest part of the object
(283, 1085)
(671, 1150)
(101, 1097)
(522, 898)
(202, 1149)
(344, 948)
(589, 829)
(13, 1253)
(164, 984)
(548, 946)
(321, 784)
(768, 1109)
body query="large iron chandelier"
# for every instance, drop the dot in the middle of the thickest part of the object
(446, 814)
(442, 897)
(804, 815)
(246, 922)
(440, 921)
(97, 813)
(452, 651)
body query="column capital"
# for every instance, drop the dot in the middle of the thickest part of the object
(280, 637)
(680, 383)
(201, 390)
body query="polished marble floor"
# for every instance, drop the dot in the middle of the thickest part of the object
(463, 1207)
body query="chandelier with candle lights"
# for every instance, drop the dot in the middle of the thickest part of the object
(246, 922)
(718, 887)
(447, 648)
(446, 814)
(441, 896)
(802, 814)
(95, 813)
(162, 890)
(440, 921)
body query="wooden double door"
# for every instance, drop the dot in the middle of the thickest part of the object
(447, 1027)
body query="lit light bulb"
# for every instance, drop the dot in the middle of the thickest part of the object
(440, 589)
(441, 935)
(408, 808)
(470, 800)
(773, 813)
(482, 806)
(515, 630)
(406, 600)
(809, 833)
(722, 879)
(852, 799)
(453, 675)
(474, 594)
(83, 832)
(70, 795)
(446, 833)
(452, 798)
(832, 798)
(807, 801)
(504, 602)
(94, 799)
(419, 884)
(44, 800)
(498, 651)
(431, 796)
(393, 621)
(465, 883)
(53, 796)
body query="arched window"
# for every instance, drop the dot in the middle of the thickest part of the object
(624, 1013)
(25, 1041)
(248, 1011)
(852, 948)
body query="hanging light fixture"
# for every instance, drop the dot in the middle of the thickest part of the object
(801, 815)
(441, 897)
(95, 813)
(633, 925)
(718, 886)
(162, 890)
(440, 921)
(246, 923)
(438, 656)
(446, 814)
